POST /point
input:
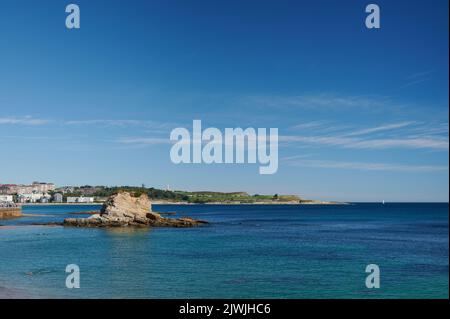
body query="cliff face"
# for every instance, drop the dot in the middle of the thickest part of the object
(123, 209)
(123, 205)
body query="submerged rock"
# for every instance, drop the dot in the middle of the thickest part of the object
(123, 209)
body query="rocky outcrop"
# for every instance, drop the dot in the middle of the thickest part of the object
(123, 209)
(10, 212)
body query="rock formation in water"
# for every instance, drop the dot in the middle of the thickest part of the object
(123, 209)
(10, 212)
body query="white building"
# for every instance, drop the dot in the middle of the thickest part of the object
(81, 199)
(30, 198)
(6, 198)
(58, 198)
(45, 198)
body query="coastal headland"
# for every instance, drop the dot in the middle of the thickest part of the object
(48, 194)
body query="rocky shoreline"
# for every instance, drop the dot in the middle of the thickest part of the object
(123, 209)
(10, 212)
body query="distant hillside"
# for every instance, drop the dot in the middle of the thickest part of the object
(236, 197)
(101, 192)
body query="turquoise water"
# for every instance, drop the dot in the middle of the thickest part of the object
(247, 251)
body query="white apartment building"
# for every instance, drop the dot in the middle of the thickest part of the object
(30, 198)
(43, 187)
(36, 187)
(58, 198)
(81, 199)
(6, 198)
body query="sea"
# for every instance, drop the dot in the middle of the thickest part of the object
(247, 251)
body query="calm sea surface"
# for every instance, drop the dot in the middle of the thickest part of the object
(247, 251)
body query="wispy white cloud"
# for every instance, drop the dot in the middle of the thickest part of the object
(420, 74)
(123, 123)
(439, 129)
(417, 78)
(363, 165)
(356, 143)
(386, 127)
(27, 120)
(324, 101)
(143, 140)
(36, 138)
(414, 82)
(350, 139)
(310, 125)
(401, 135)
(430, 143)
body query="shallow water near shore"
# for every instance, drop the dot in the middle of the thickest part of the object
(256, 251)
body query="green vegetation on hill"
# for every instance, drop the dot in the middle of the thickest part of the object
(236, 197)
(102, 192)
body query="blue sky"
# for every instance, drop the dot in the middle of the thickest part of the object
(362, 114)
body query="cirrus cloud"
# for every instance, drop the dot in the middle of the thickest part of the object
(26, 120)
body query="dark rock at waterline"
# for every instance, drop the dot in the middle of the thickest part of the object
(168, 214)
(84, 213)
